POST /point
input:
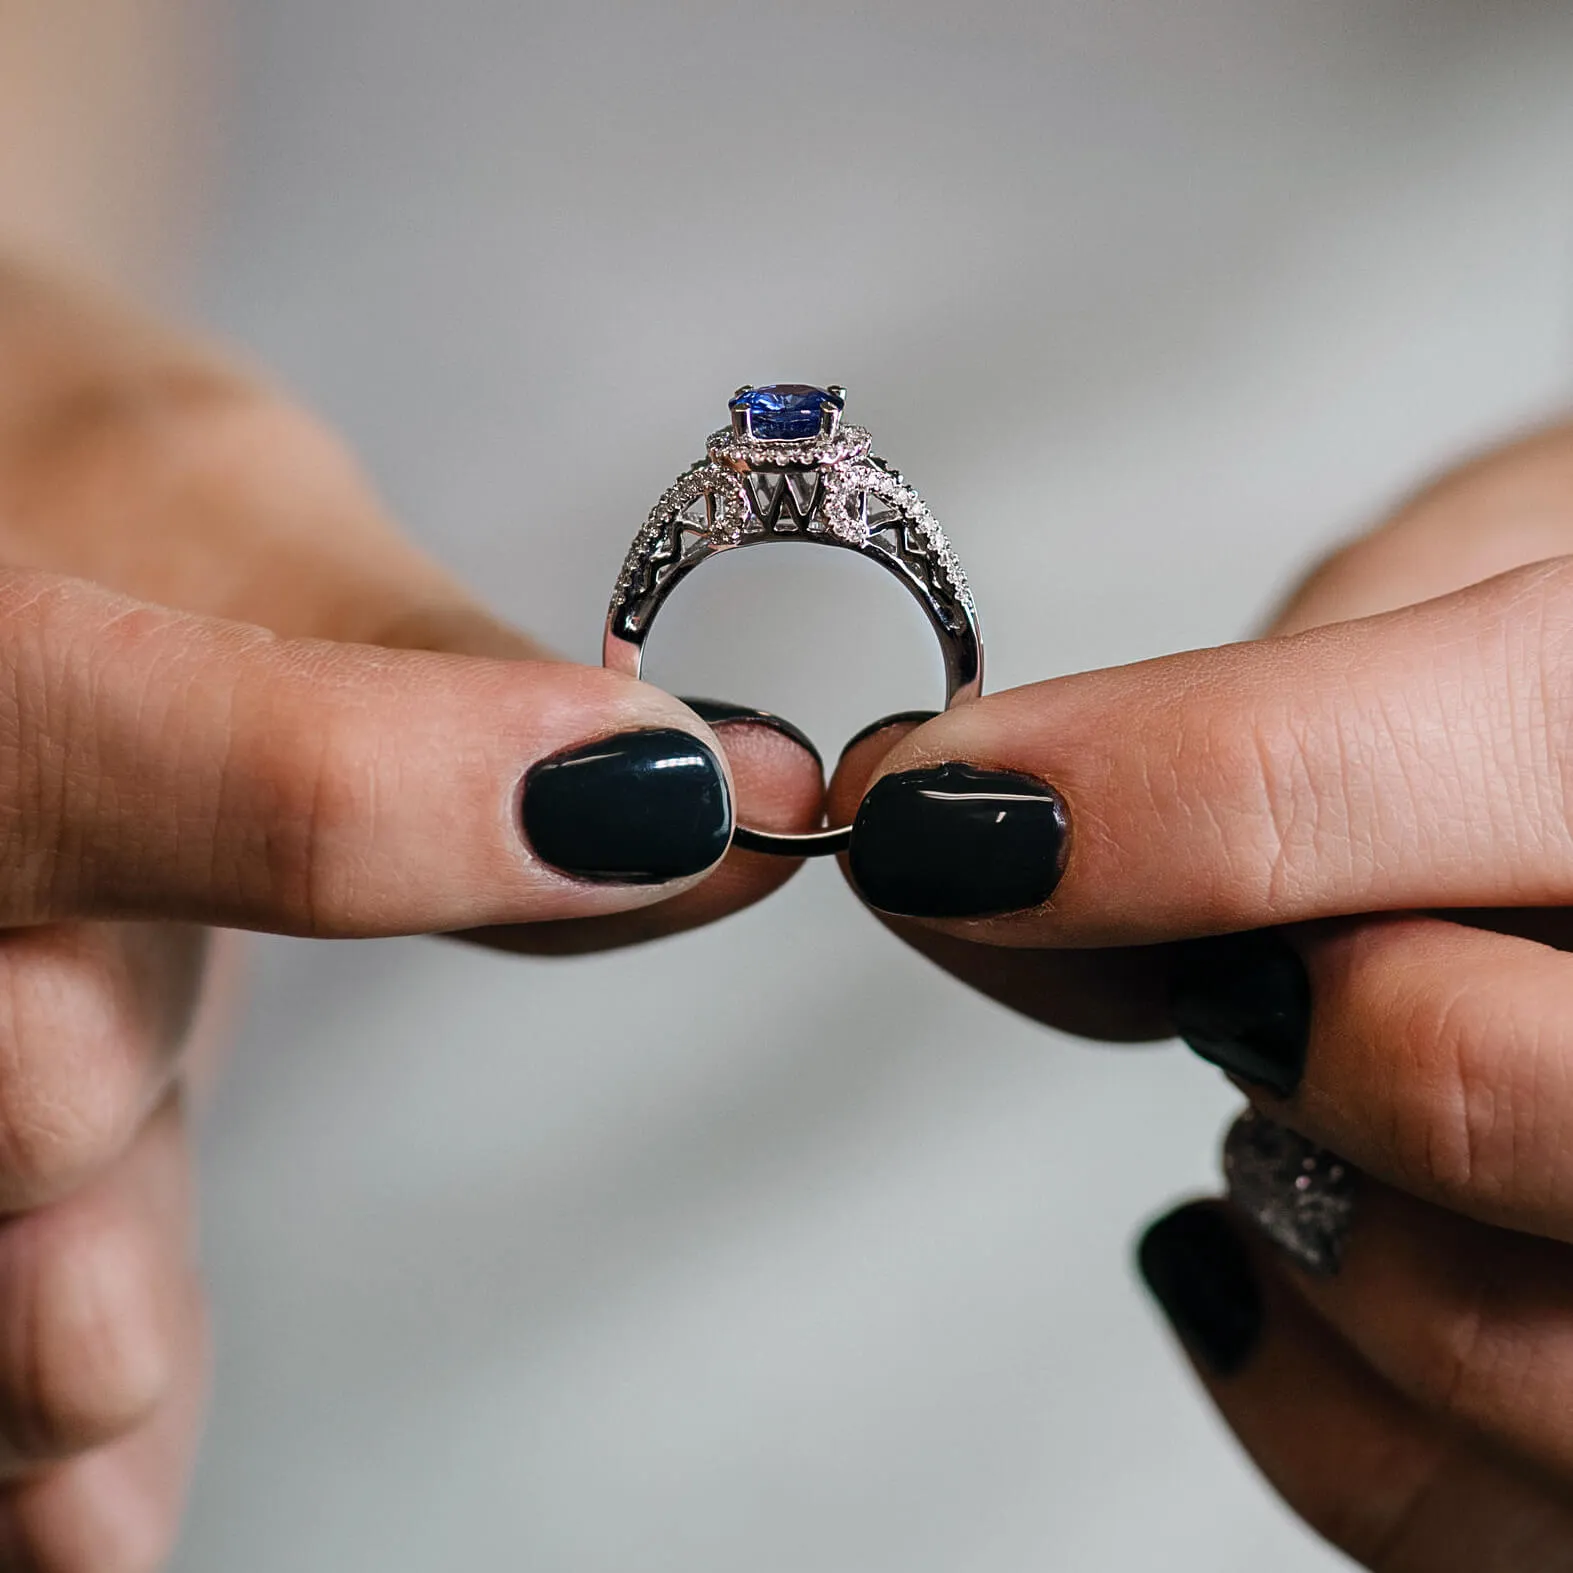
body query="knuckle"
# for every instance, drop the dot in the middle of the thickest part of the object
(1437, 1050)
(80, 701)
(254, 457)
(72, 1078)
(313, 802)
(1472, 1366)
(1471, 1085)
(181, 442)
(36, 715)
(112, 399)
(94, 1358)
(49, 1146)
(1271, 793)
(1374, 1521)
(1297, 768)
(1447, 1357)
(123, 1529)
(163, 426)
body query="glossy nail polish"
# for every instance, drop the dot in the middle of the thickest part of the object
(719, 712)
(638, 808)
(1198, 1271)
(1299, 1195)
(899, 718)
(1243, 1001)
(954, 841)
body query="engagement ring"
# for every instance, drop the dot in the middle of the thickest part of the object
(788, 468)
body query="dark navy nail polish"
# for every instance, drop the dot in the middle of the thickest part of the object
(1243, 1002)
(899, 718)
(954, 841)
(638, 808)
(1199, 1272)
(719, 712)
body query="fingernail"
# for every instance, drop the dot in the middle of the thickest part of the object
(1244, 1003)
(718, 712)
(953, 841)
(900, 718)
(638, 808)
(1299, 1195)
(1198, 1271)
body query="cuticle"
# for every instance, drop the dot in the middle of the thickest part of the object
(874, 728)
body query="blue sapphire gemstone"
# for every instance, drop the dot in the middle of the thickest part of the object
(785, 411)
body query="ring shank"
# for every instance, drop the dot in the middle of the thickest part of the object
(910, 555)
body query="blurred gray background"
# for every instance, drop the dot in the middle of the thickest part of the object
(768, 1248)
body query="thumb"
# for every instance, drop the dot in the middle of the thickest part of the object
(155, 763)
(1414, 759)
(147, 464)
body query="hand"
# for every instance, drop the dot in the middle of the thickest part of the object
(234, 695)
(1338, 860)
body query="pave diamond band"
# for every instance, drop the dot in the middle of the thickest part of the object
(788, 469)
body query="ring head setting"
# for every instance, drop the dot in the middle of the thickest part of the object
(787, 411)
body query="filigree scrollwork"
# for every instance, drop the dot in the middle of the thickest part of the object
(856, 501)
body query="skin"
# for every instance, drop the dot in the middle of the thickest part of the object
(169, 525)
(1394, 749)
(235, 698)
(104, 133)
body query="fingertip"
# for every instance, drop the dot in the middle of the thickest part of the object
(777, 772)
(861, 756)
(952, 841)
(777, 785)
(906, 720)
(720, 713)
(1197, 1268)
(643, 807)
(1243, 1002)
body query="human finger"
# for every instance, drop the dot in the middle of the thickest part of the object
(92, 1021)
(1120, 993)
(1427, 1053)
(96, 1302)
(1411, 759)
(1367, 1469)
(1510, 507)
(102, 1381)
(1469, 1322)
(778, 785)
(159, 765)
(135, 457)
